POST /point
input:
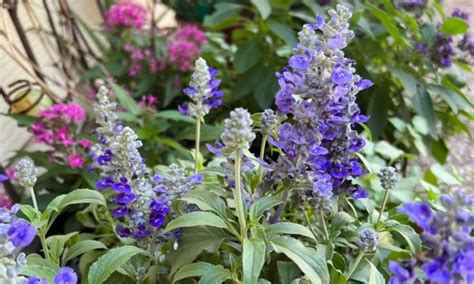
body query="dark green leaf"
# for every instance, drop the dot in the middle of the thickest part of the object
(263, 7)
(261, 205)
(82, 247)
(288, 228)
(288, 271)
(424, 107)
(223, 12)
(410, 236)
(247, 55)
(125, 99)
(282, 31)
(192, 270)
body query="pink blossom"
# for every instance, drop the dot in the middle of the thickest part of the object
(76, 161)
(126, 14)
(137, 55)
(5, 201)
(74, 112)
(183, 54)
(11, 174)
(148, 103)
(134, 70)
(128, 47)
(156, 65)
(190, 33)
(85, 143)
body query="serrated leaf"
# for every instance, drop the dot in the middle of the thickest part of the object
(253, 258)
(194, 219)
(82, 247)
(307, 259)
(110, 262)
(288, 228)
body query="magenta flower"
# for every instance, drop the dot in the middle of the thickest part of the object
(76, 161)
(126, 14)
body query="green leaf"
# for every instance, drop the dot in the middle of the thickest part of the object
(454, 26)
(206, 201)
(287, 271)
(82, 196)
(261, 205)
(175, 116)
(125, 99)
(110, 262)
(253, 258)
(444, 176)
(247, 55)
(30, 212)
(56, 245)
(387, 150)
(208, 132)
(289, 229)
(196, 219)
(368, 273)
(307, 259)
(265, 91)
(217, 274)
(388, 23)
(410, 236)
(82, 247)
(22, 119)
(263, 7)
(192, 270)
(40, 267)
(282, 31)
(223, 12)
(193, 243)
(424, 107)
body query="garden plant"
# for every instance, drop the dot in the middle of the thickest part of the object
(310, 191)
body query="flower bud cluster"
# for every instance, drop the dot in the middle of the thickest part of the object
(202, 91)
(238, 131)
(26, 173)
(389, 178)
(368, 239)
(268, 122)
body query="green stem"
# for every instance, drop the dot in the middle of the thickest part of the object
(355, 264)
(238, 195)
(385, 198)
(262, 154)
(323, 221)
(33, 197)
(309, 224)
(198, 138)
(44, 245)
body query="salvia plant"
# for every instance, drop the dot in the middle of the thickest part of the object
(296, 212)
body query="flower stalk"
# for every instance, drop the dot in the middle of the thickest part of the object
(198, 139)
(239, 204)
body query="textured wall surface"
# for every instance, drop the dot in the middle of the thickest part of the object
(12, 137)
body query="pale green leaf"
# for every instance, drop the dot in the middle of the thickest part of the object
(253, 258)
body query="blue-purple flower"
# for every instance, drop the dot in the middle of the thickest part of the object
(65, 275)
(203, 91)
(318, 90)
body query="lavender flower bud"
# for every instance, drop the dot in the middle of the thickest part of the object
(369, 239)
(238, 130)
(268, 121)
(202, 91)
(26, 173)
(389, 178)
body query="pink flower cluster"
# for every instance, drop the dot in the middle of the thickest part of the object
(141, 58)
(57, 129)
(125, 14)
(184, 47)
(148, 103)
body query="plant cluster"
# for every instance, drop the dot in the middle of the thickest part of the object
(298, 194)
